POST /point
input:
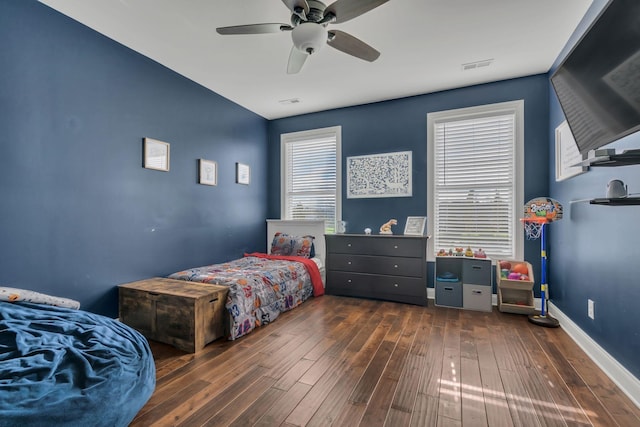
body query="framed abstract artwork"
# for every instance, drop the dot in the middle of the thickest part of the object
(379, 175)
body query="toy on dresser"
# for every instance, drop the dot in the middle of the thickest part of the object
(386, 227)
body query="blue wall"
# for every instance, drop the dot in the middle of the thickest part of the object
(401, 125)
(594, 249)
(78, 213)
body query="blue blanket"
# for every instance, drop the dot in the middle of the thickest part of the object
(67, 367)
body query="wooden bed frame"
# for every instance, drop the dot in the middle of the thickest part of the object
(299, 227)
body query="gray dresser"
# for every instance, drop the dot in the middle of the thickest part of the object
(390, 268)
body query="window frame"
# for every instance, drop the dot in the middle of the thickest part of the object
(306, 136)
(509, 107)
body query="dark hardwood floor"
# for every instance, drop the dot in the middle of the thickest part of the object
(348, 362)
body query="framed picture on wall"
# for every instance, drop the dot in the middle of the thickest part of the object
(379, 175)
(207, 172)
(243, 173)
(156, 155)
(415, 225)
(568, 157)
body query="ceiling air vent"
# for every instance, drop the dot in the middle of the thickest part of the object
(477, 64)
(289, 101)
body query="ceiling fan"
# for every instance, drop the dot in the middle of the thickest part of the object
(309, 21)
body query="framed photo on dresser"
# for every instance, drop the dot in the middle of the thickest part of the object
(415, 226)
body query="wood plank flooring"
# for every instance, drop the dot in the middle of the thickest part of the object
(347, 362)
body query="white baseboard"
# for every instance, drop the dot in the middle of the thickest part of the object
(624, 379)
(628, 383)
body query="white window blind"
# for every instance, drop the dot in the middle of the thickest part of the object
(310, 184)
(475, 189)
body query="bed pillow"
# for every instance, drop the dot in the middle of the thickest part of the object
(287, 245)
(14, 294)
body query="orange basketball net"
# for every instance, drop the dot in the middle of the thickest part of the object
(533, 226)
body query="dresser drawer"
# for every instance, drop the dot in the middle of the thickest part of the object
(393, 266)
(477, 271)
(379, 245)
(356, 284)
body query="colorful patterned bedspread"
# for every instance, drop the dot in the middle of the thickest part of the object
(259, 288)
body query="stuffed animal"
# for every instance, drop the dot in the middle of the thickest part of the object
(386, 227)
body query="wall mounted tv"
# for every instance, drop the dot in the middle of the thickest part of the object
(598, 83)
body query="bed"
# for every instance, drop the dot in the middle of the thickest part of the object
(263, 285)
(68, 367)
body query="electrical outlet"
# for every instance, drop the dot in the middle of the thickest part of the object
(591, 309)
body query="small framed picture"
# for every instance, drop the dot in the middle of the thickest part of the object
(415, 225)
(207, 172)
(243, 173)
(156, 155)
(568, 158)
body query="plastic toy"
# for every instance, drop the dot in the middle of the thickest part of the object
(479, 254)
(386, 227)
(538, 213)
(520, 269)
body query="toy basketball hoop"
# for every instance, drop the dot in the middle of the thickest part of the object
(538, 213)
(533, 227)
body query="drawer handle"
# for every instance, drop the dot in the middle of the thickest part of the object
(153, 294)
(349, 262)
(395, 266)
(447, 288)
(395, 246)
(395, 284)
(349, 281)
(349, 245)
(476, 267)
(213, 300)
(476, 292)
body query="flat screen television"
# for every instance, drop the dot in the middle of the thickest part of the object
(598, 83)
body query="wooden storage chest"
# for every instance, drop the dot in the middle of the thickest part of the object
(187, 315)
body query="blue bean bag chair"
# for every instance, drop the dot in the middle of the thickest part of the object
(66, 367)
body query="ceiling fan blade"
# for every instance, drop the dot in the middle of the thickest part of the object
(254, 29)
(294, 4)
(353, 46)
(296, 61)
(345, 10)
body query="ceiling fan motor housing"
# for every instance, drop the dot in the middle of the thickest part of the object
(309, 37)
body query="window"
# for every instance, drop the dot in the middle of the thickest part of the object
(311, 175)
(476, 180)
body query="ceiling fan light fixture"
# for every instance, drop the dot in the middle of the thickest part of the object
(309, 37)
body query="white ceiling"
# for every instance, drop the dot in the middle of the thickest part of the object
(423, 44)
